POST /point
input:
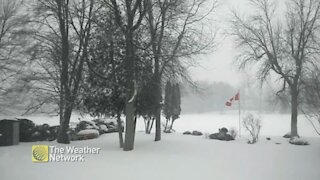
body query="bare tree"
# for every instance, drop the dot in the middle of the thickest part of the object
(63, 41)
(14, 36)
(172, 25)
(311, 95)
(286, 46)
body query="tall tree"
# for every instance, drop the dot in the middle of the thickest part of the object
(146, 98)
(176, 102)
(172, 105)
(173, 36)
(286, 46)
(104, 90)
(64, 37)
(129, 15)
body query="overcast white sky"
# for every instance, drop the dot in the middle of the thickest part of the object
(220, 65)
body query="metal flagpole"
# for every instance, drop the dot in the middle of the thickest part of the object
(239, 115)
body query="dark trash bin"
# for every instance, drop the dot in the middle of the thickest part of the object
(9, 132)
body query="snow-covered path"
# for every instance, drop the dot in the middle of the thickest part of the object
(176, 157)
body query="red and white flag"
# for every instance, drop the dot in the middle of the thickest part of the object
(234, 98)
(237, 96)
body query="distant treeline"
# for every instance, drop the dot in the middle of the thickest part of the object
(211, 97)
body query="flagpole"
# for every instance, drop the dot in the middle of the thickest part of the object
(239, 115)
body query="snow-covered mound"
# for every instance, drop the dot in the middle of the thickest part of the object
(89, 131)
(88, 134)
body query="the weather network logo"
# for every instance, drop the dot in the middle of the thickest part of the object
(40, 153)
(45, 153)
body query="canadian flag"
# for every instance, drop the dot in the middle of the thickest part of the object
(234, 98)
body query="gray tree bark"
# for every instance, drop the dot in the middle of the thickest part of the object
(294, 113)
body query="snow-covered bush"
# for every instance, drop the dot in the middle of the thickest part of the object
(253, 126)
(298, 141)
(206, 135)
(233, 132)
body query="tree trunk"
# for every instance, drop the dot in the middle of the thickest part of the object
(150, 128)
(158, 114)
(130, 92)
(156, 48)
(120, 129)
(158, 100)
(167, 127)
(171, 126)
(294, 113)
(146, 124)
(63, 136)
(158, 127)
(129, 135)
(66, 109)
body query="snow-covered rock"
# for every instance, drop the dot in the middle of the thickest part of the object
(30, 132)
(222, 135)
(298, 141)
(88, 131)
(103, 127)
(186, 133)
(88, 134)
(92, 125)
(196, 133)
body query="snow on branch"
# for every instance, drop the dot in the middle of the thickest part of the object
(134, 93)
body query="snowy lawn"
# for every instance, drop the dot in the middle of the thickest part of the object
(273, 124)
(176, 157)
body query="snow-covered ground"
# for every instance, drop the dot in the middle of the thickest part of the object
(177, 156)
(272, 124)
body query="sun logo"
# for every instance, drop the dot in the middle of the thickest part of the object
(40, 153)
